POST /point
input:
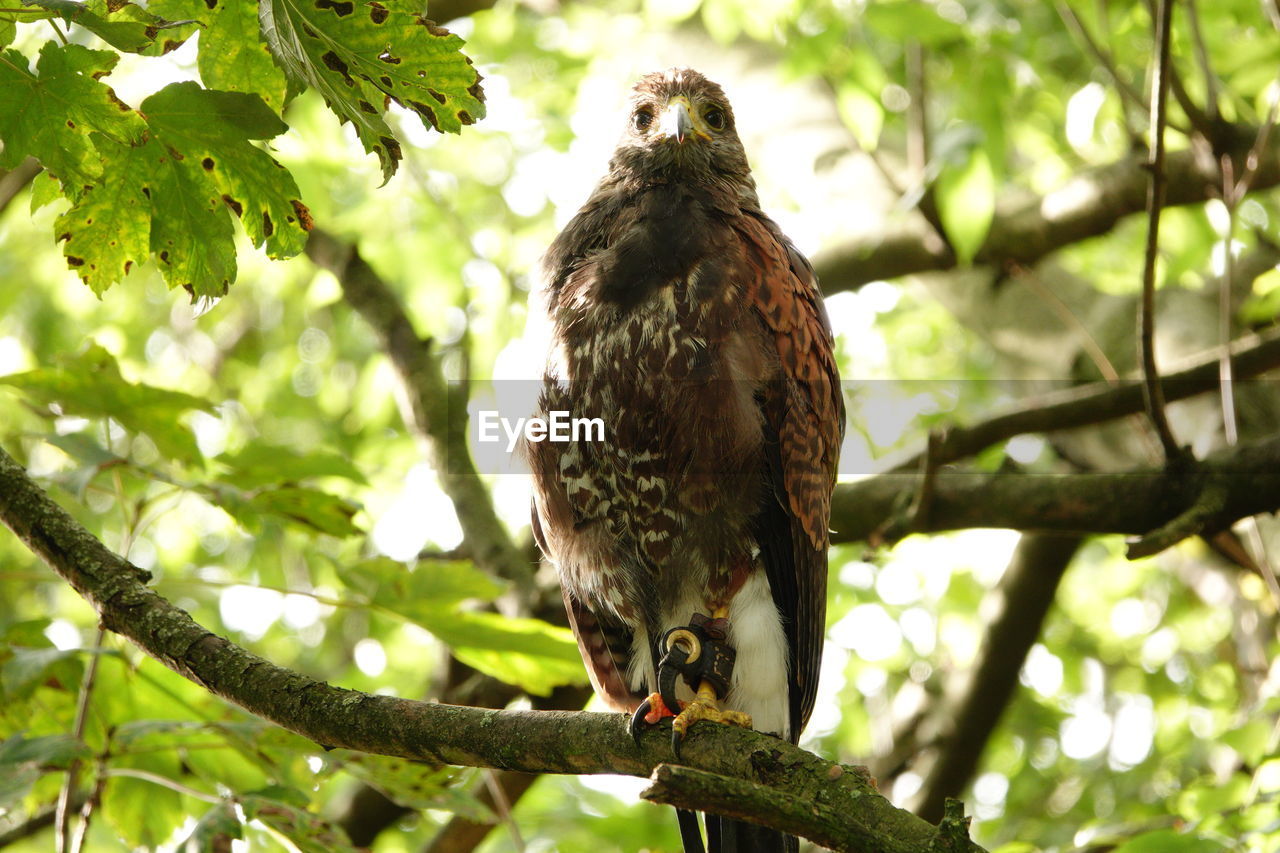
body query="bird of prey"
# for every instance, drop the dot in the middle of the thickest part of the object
(697, 527)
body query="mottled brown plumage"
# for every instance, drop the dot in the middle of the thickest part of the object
(687, 321)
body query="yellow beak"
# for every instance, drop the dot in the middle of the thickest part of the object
(676, 122)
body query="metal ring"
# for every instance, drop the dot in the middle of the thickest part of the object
(687, 640)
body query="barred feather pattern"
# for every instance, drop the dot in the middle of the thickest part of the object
(687, 322)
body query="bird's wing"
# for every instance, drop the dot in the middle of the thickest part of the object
(604, 642)
(804, 420)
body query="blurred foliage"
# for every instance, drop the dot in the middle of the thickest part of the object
(254, 459)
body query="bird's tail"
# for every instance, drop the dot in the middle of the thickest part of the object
(725, 835)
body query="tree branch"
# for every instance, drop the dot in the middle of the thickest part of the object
(16, 179)
(442, 426)
(1024, 232)
(1250, 356)
(1152, 391)
(530, 741)
(1132, 502)
(968, 716)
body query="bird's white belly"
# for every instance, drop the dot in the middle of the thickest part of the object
(759, 684)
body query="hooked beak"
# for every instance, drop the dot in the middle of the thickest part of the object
(676, 123)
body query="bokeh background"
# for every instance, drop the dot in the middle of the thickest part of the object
(1145, 697)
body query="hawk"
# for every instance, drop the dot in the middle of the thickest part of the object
(686, 320)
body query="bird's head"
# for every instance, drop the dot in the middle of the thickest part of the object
(680, 127)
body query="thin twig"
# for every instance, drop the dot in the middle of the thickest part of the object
(1099, 358)
(918, 138)
(166, 782)
(1153, 392)
(1226, 293)
(90, 805)
(1254, 157)
(65, 807)
(16, 180)
(1127, 93)
(1086, 405)
(1202, 56)
(917, 112)
(503, 807)
(62, 37)
(1206, 128)
(1233, 192)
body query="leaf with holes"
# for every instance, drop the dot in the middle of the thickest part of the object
(360, 54)
(125, 26)
(50, 114)
(206, 165)
(191, 234)
(107, 230)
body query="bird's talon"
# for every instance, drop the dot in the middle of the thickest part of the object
(652, 710)
(640, 713)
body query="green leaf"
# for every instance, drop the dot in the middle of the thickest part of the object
(532, 673)
(862, 114)
(211, 752)
(8, 30)
(215, 831)
(284, 810)
(534, 655)
(191, 234)
(435, 584)
(485, 630)
(27, 669)
(234, 57)
(966, 198)
(23, 761)
(90, 385)
(143, 813)
(107, 230)
(209, 131)
(1210, 797)
(45, 189)
(306, 507)
(909, 20)
(124, 26)
(260, 465)
(48, 751)
(416, 785)
(1250, 740)
(83, 447)
(1169, 841)
(49, 114)
(358, 54)
(310, 508)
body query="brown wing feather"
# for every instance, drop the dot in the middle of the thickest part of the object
(804, 412)
(605, 645)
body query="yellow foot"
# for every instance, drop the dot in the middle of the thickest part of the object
(704, 708)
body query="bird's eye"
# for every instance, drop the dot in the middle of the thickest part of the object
(642, 119)
(714, 118)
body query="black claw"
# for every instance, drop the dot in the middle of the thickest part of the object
(637, 718)
(676, 740)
